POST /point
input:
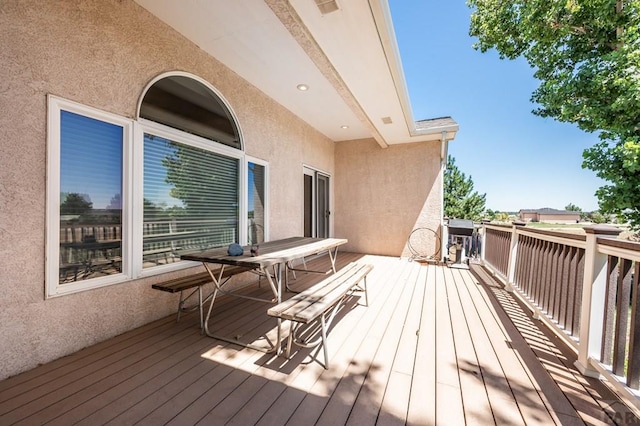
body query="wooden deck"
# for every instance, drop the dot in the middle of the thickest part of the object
(435, 346)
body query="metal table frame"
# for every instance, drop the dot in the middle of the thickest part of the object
(274, 258)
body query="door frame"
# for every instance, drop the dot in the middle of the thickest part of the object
(315, 175)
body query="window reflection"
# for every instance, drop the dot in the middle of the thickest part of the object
(90, 197)
(256, 203)
(190, 200)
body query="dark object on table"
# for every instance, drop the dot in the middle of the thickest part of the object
(235, 250)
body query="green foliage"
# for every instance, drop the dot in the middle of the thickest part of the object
(572, 208)
(460, 200)
(496, 216)
(75, 204)
(502, 217)
(597, 217)
(617, 164)
(586, 55)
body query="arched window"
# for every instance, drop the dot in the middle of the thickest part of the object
(186, 104)
(192, 190)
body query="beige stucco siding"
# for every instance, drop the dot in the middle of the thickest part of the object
(102, 54)
(383, 194)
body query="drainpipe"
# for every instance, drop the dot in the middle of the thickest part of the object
(443, 166)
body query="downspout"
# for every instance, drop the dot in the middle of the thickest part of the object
(443, 166)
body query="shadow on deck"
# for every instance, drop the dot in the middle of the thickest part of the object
(436, 345)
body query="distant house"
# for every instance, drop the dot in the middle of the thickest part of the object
(549, 215)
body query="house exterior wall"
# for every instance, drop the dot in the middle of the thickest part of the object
(549, 217)
(102, 54)
(382, 195)
(559, 218)
(528, 216)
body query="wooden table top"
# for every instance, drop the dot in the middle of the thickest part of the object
(269, 253)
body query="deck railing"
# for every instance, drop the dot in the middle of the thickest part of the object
(584, 287)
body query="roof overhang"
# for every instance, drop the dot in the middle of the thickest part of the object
(348, 58)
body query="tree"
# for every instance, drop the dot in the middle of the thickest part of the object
(74, 203)
(597, 217)
(586, 55)
(460, 200)
(573, 208)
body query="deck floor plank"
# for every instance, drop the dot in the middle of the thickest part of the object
(449, 404)
(434, 346)
(477, 408)
(398, 393)
(366, 407)
(574, 396)
(317, 397)
(422, 402)
(124, 393)
(532, 403)
(152, 363)
(58, 393)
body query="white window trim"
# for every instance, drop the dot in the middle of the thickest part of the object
(132, 193)
(147, 126)
(245, 196)
(53, 288)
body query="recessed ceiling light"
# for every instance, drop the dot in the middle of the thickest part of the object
(344, 126)
(302, 87)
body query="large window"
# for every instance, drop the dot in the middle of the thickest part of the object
(126, 198)
(190, 200)
(86, 196)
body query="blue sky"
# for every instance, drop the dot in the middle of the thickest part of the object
(521, 161)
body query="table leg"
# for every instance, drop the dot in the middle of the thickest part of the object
(217, 281)
(333, 255)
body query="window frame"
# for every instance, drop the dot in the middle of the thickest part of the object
(132, 192)
(53, 287)
(245, 196)
(147, 126)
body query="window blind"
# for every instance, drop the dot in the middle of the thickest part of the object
(190, 199)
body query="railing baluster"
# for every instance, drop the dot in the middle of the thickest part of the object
(543, 276)
(633, 370)
(561, 290)
(577, 312)
(609, 310)
(622, 317)
(529, 267)
(551, 254)
(521, 263)
(538, 271)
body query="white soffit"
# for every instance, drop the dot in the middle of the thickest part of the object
(249, 38)
(350, 39)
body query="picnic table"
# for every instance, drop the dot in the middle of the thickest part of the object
(272, 261)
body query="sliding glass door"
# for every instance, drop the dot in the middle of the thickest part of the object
(317, 209)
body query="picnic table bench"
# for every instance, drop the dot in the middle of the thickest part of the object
(196, 282)
(324, 298)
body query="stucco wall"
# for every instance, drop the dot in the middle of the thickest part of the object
(102, 53)
(383, 194)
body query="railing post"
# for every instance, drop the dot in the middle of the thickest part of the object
(593, 299)
(483, 240)
(513, 253)
(445, 241)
